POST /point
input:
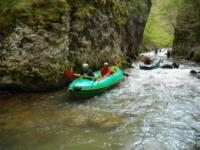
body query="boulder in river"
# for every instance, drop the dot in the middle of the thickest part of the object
(170, 66)
(106, 120)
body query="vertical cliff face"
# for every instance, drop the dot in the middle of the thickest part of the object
(134, 29)
(187, 32)
(45, 37)
(107, 30)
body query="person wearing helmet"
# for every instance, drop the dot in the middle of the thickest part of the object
(147, 61)
(105, 71)
(86, 71)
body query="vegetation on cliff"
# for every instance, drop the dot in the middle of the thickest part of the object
(174, 23)
(187, 33)
(30, 12)
(159, 31)
(84, 9)
(41, 12)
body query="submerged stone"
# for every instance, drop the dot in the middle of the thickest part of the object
(106, 121)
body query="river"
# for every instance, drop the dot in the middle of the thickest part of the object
(149, 110)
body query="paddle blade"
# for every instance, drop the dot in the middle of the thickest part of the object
(68, 74)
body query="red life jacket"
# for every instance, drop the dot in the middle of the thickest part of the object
(105, 70)
(147, 61)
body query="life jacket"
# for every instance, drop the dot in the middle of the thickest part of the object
(105, 70)
(147, 61)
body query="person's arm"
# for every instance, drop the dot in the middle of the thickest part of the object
(81, 72)
(108, 72)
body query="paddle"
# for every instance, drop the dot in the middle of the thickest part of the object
(71, 75)
(126, 74)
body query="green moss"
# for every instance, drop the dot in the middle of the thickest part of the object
(120, 21)
(159, 30)
(187, 33)
(30, 12)
(41, 12)
(120, 12)
(85, 11)
(197, 56)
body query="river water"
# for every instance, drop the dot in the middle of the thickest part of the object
(150, 110)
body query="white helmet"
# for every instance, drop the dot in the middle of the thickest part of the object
(85, 65)
(105, 64)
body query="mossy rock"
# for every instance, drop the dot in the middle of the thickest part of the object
(112, 122)
(133, 125)
(31, 12)
(105, 121)
(197, 56)
(190, 55)
(79, 120)
(9, 126)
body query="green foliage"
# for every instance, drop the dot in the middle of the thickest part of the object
(106, 2)
(159, 31)
(188, 21)
(84, 9)
(120, 21)
(139, 6)
(196, 56)
(187, 33)
(43, 12)
(85, 12)
(31, 12)
(122, 8)
(120, 12)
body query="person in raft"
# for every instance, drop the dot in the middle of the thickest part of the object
(147, 61)
(105, 71)
(86, 71)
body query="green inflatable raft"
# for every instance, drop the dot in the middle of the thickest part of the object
(83, 87)
(154, 65)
